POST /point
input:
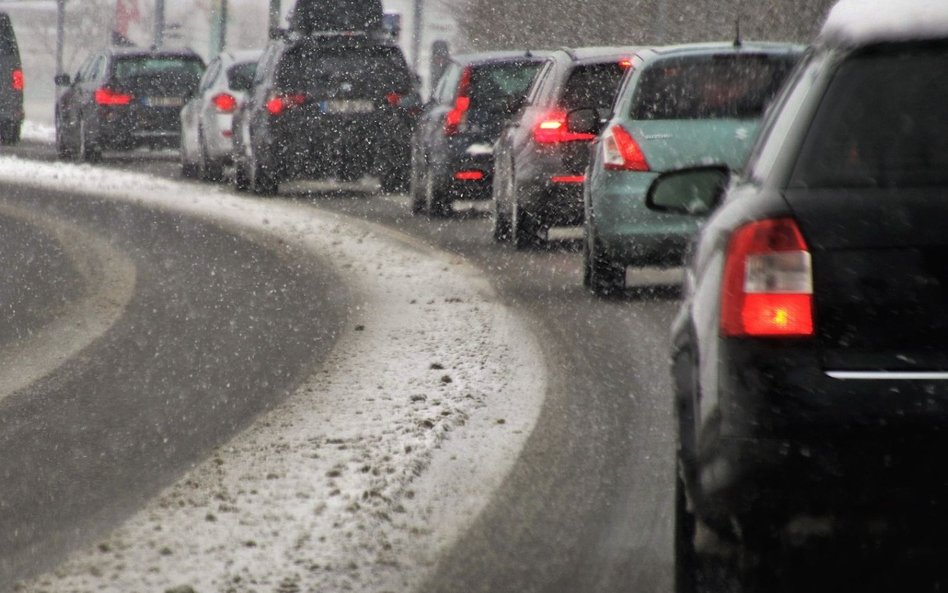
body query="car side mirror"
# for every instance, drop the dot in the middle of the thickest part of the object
(695, 191)
(62, 80)
(584, 121)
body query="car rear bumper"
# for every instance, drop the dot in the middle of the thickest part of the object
(629, 231)
(793, 439)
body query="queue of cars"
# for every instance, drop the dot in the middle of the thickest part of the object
(800, 187)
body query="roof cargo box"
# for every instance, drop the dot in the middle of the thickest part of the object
(314, 16)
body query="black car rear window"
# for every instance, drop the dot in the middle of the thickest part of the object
(309, 67)
(184, 69)
(592, 86)
(710, 87)
(882, 123)
(497, 87)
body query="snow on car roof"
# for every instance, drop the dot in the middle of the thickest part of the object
(861, 22)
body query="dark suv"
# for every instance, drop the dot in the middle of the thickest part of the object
(11, 84)
(124, 98)
(540, 161)
(809, 361)
(327, 106)
(452, 151)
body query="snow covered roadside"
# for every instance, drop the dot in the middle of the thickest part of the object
(377, 462)
(38, 132)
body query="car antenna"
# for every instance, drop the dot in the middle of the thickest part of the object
(738, 42)
(529, 54)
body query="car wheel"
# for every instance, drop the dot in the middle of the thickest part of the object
(262, 182)
(241, 178)
(602, 276)
(10, 133)
(210, 170)
(710, 571)
(501, 225)
(62, 147)
(86, 152)
(417, 191)
(524, 231)
(436, 202)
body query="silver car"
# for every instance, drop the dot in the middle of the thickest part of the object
(207, 118)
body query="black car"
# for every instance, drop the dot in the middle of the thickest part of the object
(540, 161)
(327, 106)
(121, 99)
(11, 84)
(809, 362)
(452, 151)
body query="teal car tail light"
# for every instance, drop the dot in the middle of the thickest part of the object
(768, 282)
(620, 151)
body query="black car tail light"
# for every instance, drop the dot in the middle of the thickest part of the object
(553, 128)
(108, 97)
(279, 103)
(768, 282)
(620, 151)
(457, 116)
(17, 82)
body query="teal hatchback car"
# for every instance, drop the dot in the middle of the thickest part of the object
(677, 107)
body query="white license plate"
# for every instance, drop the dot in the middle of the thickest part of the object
(163, 101)
(343, 106)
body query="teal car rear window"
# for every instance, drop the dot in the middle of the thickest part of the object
(732, 86)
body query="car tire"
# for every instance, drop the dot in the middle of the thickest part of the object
(85, 151)
(261, 181)
(436, 203)
(241, 177)
(417, 191)
(10, 133)
(524, 228)
(501, 226)
(700, 572)
(211, 170)
(601, 275)
(63, 151)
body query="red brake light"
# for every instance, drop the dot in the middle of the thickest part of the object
(568, 179)
(625, 63)
(18, 81)
(394, 99)
(768, 282)
(472, 175)
(455, 118)
(225, 103)
(106, 96)
(552, 128)
(280, 103)
(621, 152)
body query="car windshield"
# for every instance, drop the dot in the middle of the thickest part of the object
(497, 86)
(709, 87)
(891, 135)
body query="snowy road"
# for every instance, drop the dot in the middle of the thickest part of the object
(587, 503)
